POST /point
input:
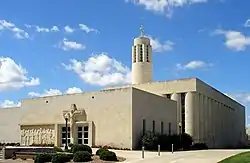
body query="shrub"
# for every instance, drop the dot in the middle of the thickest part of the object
(58, 149)
(82, 156)
(166, 141)
(43, 157)
(149, 141)
(108, 156)
(71, 145)
(80, 147)
(186, 141)
(199, 146)
(100, 150)
(61, 158)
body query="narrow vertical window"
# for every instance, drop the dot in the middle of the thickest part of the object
(162, 127)
(143, 126)
(134, 54)
(141, 53)
(183, 112)
(153, 126)
(169, 128)
(147, 54)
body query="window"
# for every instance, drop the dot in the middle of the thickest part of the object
(83, 134)
(183, 112)
(153, 126)
(64, 135)
(169, 128)
(134, 54)
(79, 135)
(141, 54)
(143, 126)
(162, 127)
(147, 54)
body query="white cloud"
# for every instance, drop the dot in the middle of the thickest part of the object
(68, 29)
(87, 29)
(158, 46)
(14, 76)
(243, 97)
(70, 45)
(9, 104)
(234, 40)
(194, 65)
(247, 23)
(54, 29)
(100, 70)
(18, 32)
(54, 92)
(73, 90)
(164, 6)
(43, 29)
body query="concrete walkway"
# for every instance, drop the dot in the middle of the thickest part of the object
(206, 156)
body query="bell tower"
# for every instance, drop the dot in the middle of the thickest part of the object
(141, 59)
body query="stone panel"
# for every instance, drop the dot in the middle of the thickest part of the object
(37, 135)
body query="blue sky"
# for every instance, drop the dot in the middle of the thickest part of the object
(55, 47)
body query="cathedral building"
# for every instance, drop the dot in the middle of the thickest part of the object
(117, 116)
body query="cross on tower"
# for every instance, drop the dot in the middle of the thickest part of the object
(142, 30)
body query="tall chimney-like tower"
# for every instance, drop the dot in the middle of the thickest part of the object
(141, 59)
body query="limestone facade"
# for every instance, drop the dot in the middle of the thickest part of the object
(206, 114)
(109, 117)
(115, 116)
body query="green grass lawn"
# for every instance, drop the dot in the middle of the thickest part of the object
(239, 158)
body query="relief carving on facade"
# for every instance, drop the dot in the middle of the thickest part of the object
(37, 136)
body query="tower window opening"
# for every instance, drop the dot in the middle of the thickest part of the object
(141, 54)
(134, 54)
(147, 54)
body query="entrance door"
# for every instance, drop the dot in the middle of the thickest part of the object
(83, 135)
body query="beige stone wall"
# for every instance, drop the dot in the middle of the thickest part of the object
(109, 110)
(221, 119)
(9, 128)
(152, 107)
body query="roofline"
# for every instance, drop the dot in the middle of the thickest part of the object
(220, 92)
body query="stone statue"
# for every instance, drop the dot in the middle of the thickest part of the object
(71, 114)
